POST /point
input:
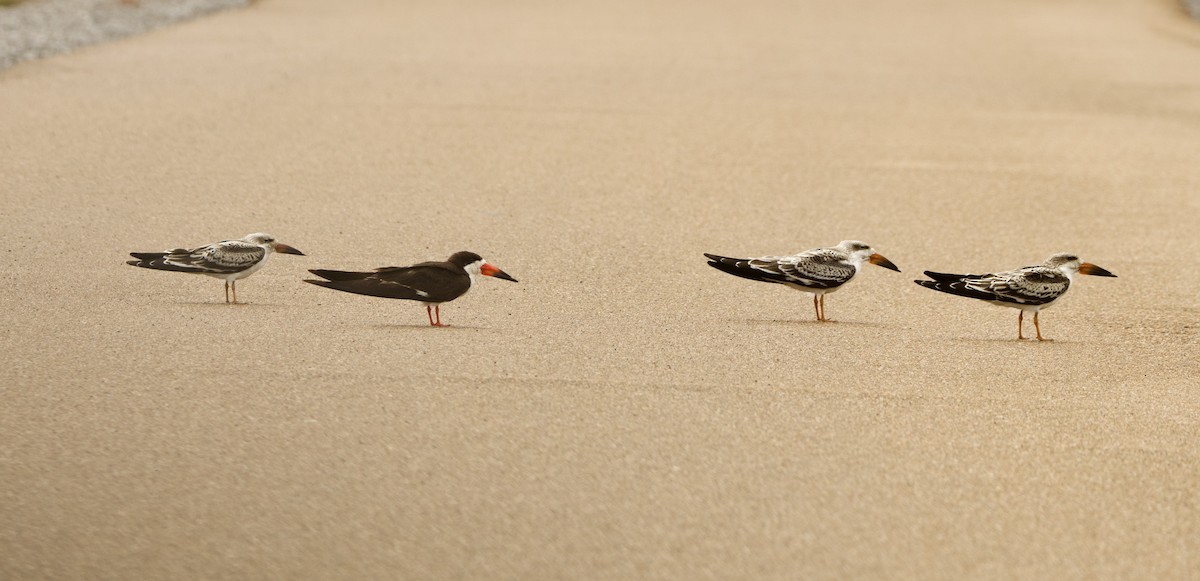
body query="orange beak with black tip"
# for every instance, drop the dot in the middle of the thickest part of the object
(1092, 269)
(489, 270)
(285, 249)
(879, 260)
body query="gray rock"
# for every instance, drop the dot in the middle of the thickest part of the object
(36, 28)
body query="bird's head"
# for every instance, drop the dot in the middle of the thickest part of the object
(861, 252)
(475, 265)
(1070, 265)
(267, 241)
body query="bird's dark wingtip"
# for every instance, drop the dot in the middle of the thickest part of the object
(947, 276)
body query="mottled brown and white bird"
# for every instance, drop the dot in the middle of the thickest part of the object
(1030, 288)
(230, 260)
(819, 271)
(432, 283)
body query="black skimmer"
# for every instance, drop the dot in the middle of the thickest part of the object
(818, 271)
(228, 259)
(1030, 289)
(432, 283)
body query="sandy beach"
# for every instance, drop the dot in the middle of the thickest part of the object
(33, 29)
(624, 412)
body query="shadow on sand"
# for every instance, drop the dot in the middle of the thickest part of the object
(426, 326)
(1014, 341)
(808, 322)
(225, 305)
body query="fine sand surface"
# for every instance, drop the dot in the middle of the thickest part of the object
(623, 412)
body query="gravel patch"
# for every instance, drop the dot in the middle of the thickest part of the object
(37, 28)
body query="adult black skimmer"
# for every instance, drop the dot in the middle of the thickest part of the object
(432, 283)
(818, 271)
(227, 259)
(1030, 289)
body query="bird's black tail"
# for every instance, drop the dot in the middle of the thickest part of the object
(954, 286)
(943, 275)
(369, 288)
(156, 261)
(340, 274)
(741, 267)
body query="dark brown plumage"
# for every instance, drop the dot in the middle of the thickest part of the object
(432, 283)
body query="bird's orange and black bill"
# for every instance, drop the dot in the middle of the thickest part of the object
(879, 260)
(1092, 269)
(285, 249)
(489, 270)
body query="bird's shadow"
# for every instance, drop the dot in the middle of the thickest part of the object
(425, 326)
(225, 305)
(995, 341)
(807, 322)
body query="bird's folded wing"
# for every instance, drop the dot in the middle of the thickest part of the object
(222, 257)
(1025, 286)
(429, 282)
(815, 269)
(433, 283)
(742, 267)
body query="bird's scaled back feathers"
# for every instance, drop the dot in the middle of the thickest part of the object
(821, 268)
(1031, 285)
(226, 257)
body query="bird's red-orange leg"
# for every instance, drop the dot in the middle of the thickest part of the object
(1020, 325)
(816, 307)
(1038, 327)
(436, 309)
(823, 317)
